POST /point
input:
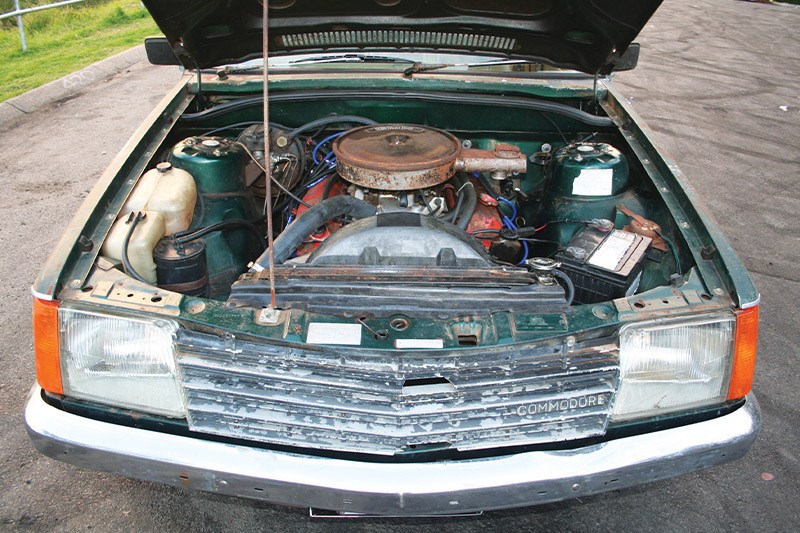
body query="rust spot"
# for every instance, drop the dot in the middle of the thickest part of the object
(512, 276)
(504, 158)
(396, 157)
(403, 157)
(644, 227)
(507, 151)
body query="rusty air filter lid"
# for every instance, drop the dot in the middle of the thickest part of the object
(396, 157)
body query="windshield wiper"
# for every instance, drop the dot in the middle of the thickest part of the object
(351, 58)
(339, 58)
(416, 68)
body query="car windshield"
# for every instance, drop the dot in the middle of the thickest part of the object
(397, 61)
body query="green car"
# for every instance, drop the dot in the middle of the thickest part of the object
(426, 261)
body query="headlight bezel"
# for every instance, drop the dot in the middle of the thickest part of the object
(718, 387)
(89, 387)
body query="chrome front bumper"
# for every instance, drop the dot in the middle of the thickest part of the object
(442, 487)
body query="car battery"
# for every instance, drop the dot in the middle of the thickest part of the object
(603, 264)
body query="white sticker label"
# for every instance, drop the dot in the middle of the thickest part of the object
(593, 182)
(327, 333)
(612, 250)
(403, 344)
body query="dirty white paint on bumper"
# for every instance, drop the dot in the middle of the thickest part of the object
(440, 487)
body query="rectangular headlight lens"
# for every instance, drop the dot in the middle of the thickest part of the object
(667, 366)
(126, 362)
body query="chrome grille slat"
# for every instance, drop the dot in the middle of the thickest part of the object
(353, 400)
(292, 392)
(305, 382)
(461, 408)
(420, 436)
(329, 366)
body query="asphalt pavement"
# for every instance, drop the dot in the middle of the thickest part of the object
(718, 82)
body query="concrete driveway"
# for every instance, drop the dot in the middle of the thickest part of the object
(719, 83)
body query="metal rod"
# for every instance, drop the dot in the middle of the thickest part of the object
(21, 28)
(267, 157)
(17, 11)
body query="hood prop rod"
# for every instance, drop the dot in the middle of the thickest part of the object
(267, 156)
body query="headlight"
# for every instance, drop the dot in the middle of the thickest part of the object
(126, 362)
(667, 366)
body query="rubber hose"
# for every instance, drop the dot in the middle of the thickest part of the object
(242, 124)
(224, 225)
(485, 183)
(329, 186)
(418, 96)
(325, 121)
(568, 282)
(458, 184)
(470, 203)
(201, 202)
(305, 224)
(452, 216)
(126, 264)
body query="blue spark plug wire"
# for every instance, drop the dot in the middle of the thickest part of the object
(509, 223)
(323, 141)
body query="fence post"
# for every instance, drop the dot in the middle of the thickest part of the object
(21, 28)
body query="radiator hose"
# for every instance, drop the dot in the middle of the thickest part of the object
(305, 224)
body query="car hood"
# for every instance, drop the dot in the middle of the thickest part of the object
(586, 35)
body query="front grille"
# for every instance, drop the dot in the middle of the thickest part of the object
(365, 401)
(397, 38)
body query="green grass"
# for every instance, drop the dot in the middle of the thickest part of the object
(67, 39)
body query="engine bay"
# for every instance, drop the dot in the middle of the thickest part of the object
(395, 218)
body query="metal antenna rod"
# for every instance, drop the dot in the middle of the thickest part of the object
(267, 159)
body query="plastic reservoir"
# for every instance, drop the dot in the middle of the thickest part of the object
(167, 190)
(167, 196)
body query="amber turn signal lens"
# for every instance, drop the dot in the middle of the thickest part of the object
(45, 345)
(744, 355)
